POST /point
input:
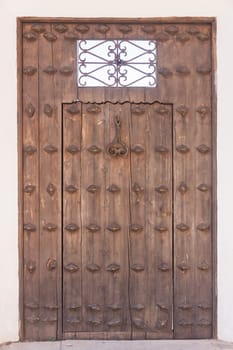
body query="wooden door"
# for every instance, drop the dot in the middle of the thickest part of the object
(117, 220)
(82, 275)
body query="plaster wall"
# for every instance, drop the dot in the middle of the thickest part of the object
(9, 10)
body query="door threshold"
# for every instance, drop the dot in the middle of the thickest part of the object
(206, 344)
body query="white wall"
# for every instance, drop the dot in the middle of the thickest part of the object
(9, 10)
(225, 175)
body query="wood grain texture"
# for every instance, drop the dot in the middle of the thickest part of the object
(64, 90)
(139, 234)
(214, 172)
(117, 212)
(93, 220)
(72, 224)
(31, 240)
(110, 20)
(151, 171)
(186, 81)
(120, 272)
(20, 174)
(159, 221)
(184, 203)
(193, 247)
(50, 152)
(203, 224)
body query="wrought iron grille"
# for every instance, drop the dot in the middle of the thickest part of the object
(116, 63)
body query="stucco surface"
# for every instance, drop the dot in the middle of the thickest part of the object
(123, 345)
(9, 10)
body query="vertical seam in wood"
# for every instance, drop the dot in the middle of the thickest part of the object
(130, 221)
(81, 218)
(173, 231)
(147, 190)
(62, 214)
(214, 176)
(39, 189)
(20, 175)
(105, 186)
(58, 238)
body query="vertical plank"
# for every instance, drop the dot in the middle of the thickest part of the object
(138, 230)
(159, 221)
(64, 58)
(65, 90)
(93, 174)
(50, 152)
(118, 318)
(72, 230)
(184, 202)
(192, 247)
(203, 199)
(30, 152)
(165, 44)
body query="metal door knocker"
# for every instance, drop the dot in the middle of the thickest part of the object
(117, 148)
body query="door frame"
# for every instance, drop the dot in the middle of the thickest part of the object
(158, 20)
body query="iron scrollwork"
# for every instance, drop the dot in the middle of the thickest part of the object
(116, 63)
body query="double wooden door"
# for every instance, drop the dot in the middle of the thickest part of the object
(117, 220)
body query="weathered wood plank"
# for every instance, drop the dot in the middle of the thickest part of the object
(72, 224)
(138, 230)
(203, 159)
(30, 150)
(65, 91)
(190, 273)
(65, 61)
(93, 201)
(184, 201)
(117, 213)
(159, 220)
(50, 173)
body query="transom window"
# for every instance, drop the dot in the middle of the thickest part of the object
(116, 63)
